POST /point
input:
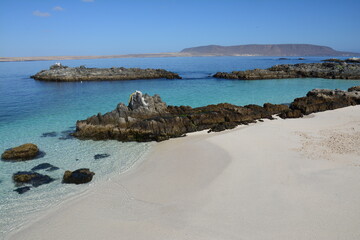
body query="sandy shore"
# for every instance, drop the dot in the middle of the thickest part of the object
(280, 179)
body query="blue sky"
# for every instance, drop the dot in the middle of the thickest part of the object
(103, 27)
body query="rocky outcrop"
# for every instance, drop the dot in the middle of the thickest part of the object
(79, 176)
(21, 153)
(62, 73)
(148, 118)
(319, 100)
(303, 70)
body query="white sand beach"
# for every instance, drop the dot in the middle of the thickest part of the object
(279, 179)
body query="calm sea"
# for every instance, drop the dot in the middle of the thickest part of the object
(29, 108)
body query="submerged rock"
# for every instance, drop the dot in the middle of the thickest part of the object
(67, 134)
(51, 169)
(302, 70)
(79, 176)
(44, 166)
(99, 156)
(21, 153)
(49, 134)
(22, 190)
(69, 74)
(33, 178)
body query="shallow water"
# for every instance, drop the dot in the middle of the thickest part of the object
(29, 108)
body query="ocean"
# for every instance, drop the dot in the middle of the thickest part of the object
(30, 108)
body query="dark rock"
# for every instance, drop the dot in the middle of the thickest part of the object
(67, 134)
(319, 100)
(79, 176)
(33, 178)
(275, 108)
(68, 74)
(149, 119)
(22, 190)
(284, 59)
(301, 58)
(51, 169)
(353, 60)
(21, 153)
(291, 114)
(354, 89)
(223, 126)
(49, 134)
(153, 120)
(333, 60)
(99, 156)
(301, 70)
(43, 166)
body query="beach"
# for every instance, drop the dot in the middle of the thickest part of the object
(277, 179)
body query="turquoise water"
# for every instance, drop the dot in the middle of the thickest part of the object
(29, 108)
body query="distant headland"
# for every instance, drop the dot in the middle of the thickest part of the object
(289, 50)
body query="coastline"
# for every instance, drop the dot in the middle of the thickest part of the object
(284, 179)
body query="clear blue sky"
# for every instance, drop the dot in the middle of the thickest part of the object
(102, 27)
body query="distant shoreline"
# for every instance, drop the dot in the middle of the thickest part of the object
(249, 50)
(145, 55)
(51, 58)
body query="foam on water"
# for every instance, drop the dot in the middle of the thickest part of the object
(29, 108)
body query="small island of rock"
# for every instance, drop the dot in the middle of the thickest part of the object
(60, 73)
(329, 70)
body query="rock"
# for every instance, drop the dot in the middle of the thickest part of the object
(137, 101)
(223, 126)
(319, 100)
(33, 178)
(284, 59)
(44, 166)
(79, 176)
(49, 134)
(99, 156)
(354, 89)
(333, 60)
(69, 74)
(67, 134)
(353, 60)
(291, 114)
(51, 169)
(301, 58)
(22, 190)
(150, 119)
(302, 70)
(275, 108)
(23, 152)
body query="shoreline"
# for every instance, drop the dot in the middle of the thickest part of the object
(227, 185)
(145, 55)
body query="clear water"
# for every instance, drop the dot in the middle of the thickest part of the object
(29, 108)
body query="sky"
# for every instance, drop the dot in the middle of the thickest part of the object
(107, 27)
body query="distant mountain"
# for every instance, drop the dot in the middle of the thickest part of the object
(266, 50)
